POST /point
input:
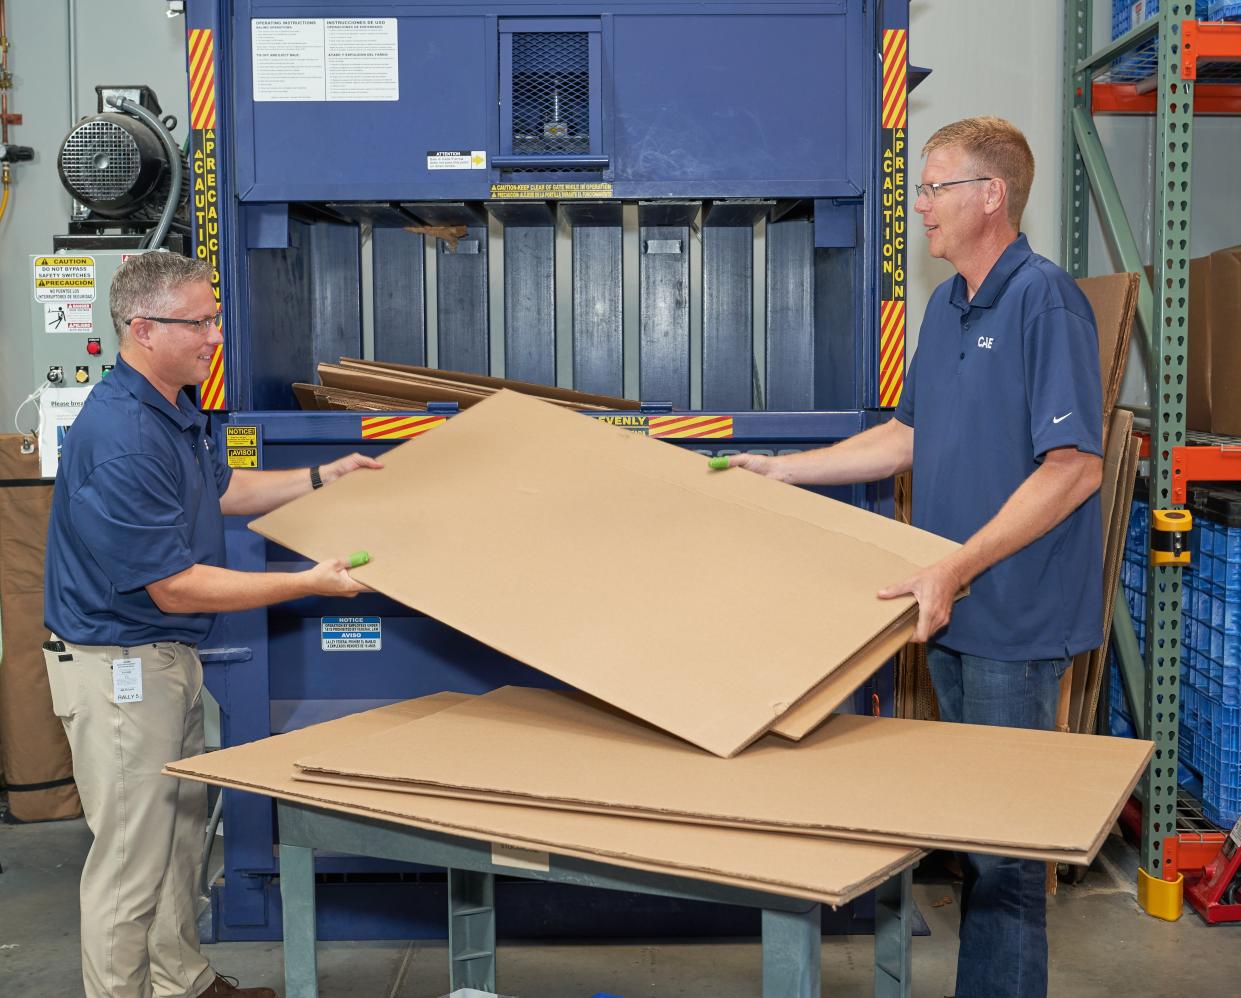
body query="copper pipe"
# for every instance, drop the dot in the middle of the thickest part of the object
(4, 78)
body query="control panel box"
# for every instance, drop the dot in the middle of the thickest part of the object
(73, 339)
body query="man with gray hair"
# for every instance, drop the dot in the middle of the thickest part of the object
(1001, 422)
(135, 575)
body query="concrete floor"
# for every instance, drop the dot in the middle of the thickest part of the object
(1101, 945)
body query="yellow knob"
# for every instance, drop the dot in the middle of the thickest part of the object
(82, 375)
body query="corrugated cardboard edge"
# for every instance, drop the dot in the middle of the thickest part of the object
(1073, 857)
(197, 770)
(327, 768)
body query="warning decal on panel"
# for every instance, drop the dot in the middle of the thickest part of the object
(456, 159)
(69, 317)
(558, 192)
(64, 278)
(351, 633)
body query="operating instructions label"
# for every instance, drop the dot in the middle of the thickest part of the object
(351, 633)
(325, 59)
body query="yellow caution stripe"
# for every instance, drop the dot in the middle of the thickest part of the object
(895, 73)
(211, 391)
(398, 427)
(891, 352)
(201, 52)
(691, 427)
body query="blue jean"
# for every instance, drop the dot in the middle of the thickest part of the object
(1003, 901)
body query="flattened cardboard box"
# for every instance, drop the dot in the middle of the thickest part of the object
(831, 872)
(722, 599)
(1036, 794)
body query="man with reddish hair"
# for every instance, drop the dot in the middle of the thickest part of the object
(1001, 423)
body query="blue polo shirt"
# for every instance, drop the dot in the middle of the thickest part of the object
(137, 499)
(995, 384)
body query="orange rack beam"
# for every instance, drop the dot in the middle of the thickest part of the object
(1123, 98)
(1218, 41)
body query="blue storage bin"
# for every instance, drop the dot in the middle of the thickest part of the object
(1221, 10)
(1141, 62)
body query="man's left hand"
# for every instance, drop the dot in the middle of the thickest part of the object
(935, 588)
(346, 464)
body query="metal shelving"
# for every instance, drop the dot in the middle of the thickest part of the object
(1173, 85)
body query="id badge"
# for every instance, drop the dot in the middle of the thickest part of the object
(127, 680)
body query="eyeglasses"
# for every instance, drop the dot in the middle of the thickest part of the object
(931, 190)
(202, 325)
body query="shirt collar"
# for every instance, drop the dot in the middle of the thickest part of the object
(183, 414)
(1015, 254)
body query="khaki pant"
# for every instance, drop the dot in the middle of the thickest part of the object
(139, 885)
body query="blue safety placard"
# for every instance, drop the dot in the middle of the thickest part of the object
(351, 633)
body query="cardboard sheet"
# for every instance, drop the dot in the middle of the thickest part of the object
(1114, 300)
(831, 872)
(1036, 794)
(547, 392)
(722, 597)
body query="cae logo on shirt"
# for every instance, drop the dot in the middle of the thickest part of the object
(986, 341)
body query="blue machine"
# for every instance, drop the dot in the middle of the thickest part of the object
(695, 203)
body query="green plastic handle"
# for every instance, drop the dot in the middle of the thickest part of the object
(717, 463)
(358, 559)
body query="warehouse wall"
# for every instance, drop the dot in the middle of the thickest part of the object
(1019, 78)
(118, 42)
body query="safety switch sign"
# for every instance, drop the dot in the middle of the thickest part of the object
(64, 278)
(351, 633)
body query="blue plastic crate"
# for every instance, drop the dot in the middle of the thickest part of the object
(1221, 10)
(1141, 62)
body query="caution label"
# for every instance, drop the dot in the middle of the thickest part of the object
(555, 192)
(468, 159)
(64, 278)
(241, 436)
(351, 633)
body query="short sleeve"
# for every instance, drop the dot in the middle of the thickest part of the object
(223, 473)
(129, 514)
(1063, 384)
(905, 408)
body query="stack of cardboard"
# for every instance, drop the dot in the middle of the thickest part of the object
(763, 619)
(380, 386)
(1214, 349)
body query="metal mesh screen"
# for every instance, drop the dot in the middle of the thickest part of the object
(100, 160)
(551, 92)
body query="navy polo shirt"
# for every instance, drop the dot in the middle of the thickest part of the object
(995, 383)
(137, 499)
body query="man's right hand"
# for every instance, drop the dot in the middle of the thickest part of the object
(332, 578)
(761, 464)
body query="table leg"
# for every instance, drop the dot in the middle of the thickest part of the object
(472, 930)
(297, 899)
(792, 941)
(894, 937)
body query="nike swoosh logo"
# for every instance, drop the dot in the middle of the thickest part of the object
(1061, 419)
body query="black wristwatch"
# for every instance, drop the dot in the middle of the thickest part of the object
(315, 481)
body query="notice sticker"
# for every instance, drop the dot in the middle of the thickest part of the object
(520, 859)
(69, 317)
(351, 633)
(457, 159)
(64, 278)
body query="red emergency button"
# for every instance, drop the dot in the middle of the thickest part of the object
(93, 347)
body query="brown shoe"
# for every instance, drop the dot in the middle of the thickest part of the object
(226, 987)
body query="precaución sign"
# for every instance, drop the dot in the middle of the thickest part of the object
(64, 278)
(351, 633)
